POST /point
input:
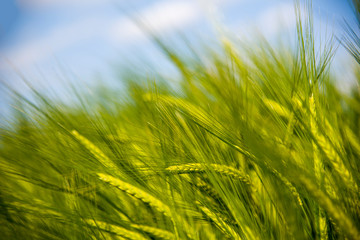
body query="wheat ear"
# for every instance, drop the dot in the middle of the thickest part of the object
(353, 139)
(318, 167)
(115, 229)
(98, 154)
(222, 225)
(278, 108)
(334, 211)
(156, 232)
(137, 193)
(198, 167)
(329, 150)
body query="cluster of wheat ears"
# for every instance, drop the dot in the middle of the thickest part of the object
(252, 143)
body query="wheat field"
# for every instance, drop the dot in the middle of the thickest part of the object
(253, 143)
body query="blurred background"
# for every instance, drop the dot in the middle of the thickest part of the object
(51, 42)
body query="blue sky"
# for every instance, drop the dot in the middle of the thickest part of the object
(88, 38)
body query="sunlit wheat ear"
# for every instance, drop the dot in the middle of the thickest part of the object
(120, 231)
(137, 193)
(221, 169)
(318, 167)
(287, 183)
(334, 211)
(277, 107)
(354, 141)
(336, 161)
(38, 208)
(155, 232)
(222, 225)
(207, 189)
(97, 153)
(211, 194)
(324, 145)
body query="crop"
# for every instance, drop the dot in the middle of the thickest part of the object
(256, 142)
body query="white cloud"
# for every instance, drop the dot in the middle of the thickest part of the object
(56, 3)
(275, 19)
(49, 44)
(160, 17)
(269, 22)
